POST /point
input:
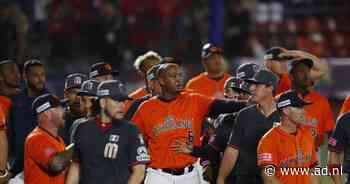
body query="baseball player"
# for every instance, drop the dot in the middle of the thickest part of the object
(250, 125)
(46, 158)
(319, 114)
(276, 60)
(288, 145)
(152, 86)
(211, 82)
(87, 95)
(173, 117)
(346, 106)
(338, 146)
(102, 71)
(118, 155)
(142, 64)
(74, 111)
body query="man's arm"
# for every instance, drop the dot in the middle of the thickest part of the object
(228, 162)
(334, 161)
(223, 106)
(73, 175)
(3, 155)
(61, 160)
(138, 173)
(269, 179)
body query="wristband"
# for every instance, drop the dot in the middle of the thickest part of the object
(4, 173)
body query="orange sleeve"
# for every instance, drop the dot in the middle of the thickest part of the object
(346, 106)
(2, 120)
(327, 119)
(284, 84)
(267, 152)
(203, 103)
(41, 150)
(138, 120)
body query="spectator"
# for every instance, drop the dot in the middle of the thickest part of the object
(21, 119)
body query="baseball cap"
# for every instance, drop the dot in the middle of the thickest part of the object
(141, 59)
(102, 68)
(88, 88)
(74, 80)
(209, 49)
(308, 62)
(290, 99)
(32, 62)
(236, 84)
(247, 70)
(274, 54)
(152, 73)
(45, 102)
(113, 89)
(264, 77)
(7, 61)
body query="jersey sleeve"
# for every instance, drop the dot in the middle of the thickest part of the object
(138, 120)
(346, 106)
(220, 139)
(337, 140)
(284, 84)
(237, 132)
(41, 151)
(203, 103)
(138, 152)
(267, 152)
(327, 122)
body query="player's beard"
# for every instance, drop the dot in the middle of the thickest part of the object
(116, 114)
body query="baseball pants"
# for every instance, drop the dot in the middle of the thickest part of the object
(154, 176)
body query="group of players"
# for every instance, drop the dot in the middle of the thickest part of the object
(217, 129)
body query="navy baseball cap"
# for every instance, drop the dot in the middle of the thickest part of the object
(102, 68)
(274, 54)
(7, 61)
(152, 73)
(247, 70)
(74, 80)
(264, 77)
(89, 88)
(113, 89)
(290, 99)
(237, 84)
(45, 102)
(32, 62)
(308, 62)
(209, 49)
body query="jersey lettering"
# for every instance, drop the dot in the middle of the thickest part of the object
(111, 150)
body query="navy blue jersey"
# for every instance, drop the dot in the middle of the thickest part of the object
(107, 152)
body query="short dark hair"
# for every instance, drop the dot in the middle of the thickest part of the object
(31, 63)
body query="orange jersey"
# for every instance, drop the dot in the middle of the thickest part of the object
(319, 115)
(284, 150)
(202, 84)
(139, 93)
(284, 84)
(162, 123)
(2, 119)
(346, 106)
(40, 146)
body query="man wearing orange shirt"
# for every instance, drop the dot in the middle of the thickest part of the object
(142, 64)
(211, 82)
(171, 118)
(319, 115)
(276, 60)
(45, 157)
(346, 106)
(288, 145)
(9, 86)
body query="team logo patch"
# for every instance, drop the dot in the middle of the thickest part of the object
(267, 157)
(142, 154)
(332, 141)
(113, 138)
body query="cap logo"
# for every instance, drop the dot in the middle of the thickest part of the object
(241, 74)
(43, 107)
(268, 57)
(103, 92)
(93, 73)
(284, 103)
(89, 85)
(77, 80)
